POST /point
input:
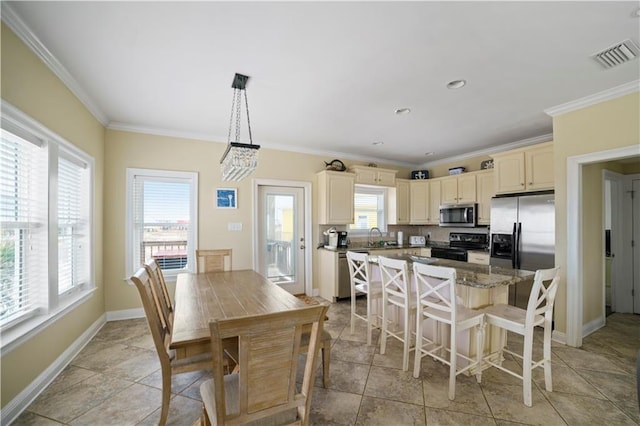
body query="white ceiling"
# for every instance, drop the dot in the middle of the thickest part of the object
(326, 77)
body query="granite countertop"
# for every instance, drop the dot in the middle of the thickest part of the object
(474, 275)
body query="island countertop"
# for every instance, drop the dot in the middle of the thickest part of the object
(471, 274)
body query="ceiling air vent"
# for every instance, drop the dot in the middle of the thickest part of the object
(617, 54)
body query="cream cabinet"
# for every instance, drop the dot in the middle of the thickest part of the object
(484, 191)
(335, 197)
(526, 169)
(435, 199)
(374, 176)
(419, 202)
(478, 257)
(411, 251)
(459, 189)
(426, 252)
(399, 203)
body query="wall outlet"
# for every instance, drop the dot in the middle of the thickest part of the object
(392, 234)
(234, 226)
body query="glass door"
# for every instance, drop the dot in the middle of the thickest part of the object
(281, 236)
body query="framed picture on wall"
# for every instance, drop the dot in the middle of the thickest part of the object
(227, 198)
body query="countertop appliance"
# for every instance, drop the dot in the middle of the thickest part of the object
(523, 237)
(459, 244)
(343, 240)
(417, 240)
(459, 215)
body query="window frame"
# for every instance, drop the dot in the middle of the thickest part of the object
(192, 236)
(378, 191)
(53, 305)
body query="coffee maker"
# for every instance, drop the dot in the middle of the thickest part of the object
(343, 242)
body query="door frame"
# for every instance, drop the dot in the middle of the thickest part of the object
(618, 227)
(306, 188)
(575, 261)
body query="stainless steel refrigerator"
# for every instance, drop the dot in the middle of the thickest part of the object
(523, 237)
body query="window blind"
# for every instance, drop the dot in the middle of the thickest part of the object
(369, 209)
(23, 216)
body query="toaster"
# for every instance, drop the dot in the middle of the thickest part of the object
(417, 240)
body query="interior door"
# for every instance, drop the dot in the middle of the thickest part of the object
(635, 248)
(281, 239)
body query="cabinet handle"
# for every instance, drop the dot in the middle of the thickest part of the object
(522, 184)
(530, 183)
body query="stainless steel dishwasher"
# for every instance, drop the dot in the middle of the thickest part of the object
(344, 278)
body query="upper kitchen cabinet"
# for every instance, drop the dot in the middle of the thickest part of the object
(419, 202)
(335, 197)
(525, 169)
(485, 191)
(374, 176)
(399, 203)
(459, 189)
(435, 199)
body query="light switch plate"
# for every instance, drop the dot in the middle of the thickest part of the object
(234, 226)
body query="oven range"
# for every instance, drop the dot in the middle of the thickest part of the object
(459, 243)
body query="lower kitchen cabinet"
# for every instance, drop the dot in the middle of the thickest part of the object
(327, 274)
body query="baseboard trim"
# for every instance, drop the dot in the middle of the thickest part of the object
(592, 326)
(559, 337)
(18, 404)
(125, 314)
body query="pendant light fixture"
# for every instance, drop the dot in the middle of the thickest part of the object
(240, 159)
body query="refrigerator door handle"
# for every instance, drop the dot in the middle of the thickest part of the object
(518, 260)
(513, 247)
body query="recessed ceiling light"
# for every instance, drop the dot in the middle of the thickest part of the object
(636, 13)
(429, 153)
(456, 84)
(402, 111)
(378, 143)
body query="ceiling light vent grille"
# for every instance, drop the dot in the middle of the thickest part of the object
(617, 54)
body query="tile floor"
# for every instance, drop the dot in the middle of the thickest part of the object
(115, 380)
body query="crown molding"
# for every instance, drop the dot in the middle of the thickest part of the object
(596, 98)
(493, 150)
(17, 25)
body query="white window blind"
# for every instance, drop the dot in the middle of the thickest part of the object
(369, 205)
(163, 219)
(72, 224)
(23, 216)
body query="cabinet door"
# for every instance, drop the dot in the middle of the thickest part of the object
(539, 168)
(399, 203)
(419, 202)
(484, 183)
(340, 193)
(509, 173)
(385, 178)
(449, 190)
(366, 177)
(466, 189)
(435, 190)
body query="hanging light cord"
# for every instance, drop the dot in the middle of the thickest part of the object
(237, 103)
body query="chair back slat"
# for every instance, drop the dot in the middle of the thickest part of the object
(160, 294)
(543, 293)
(214, 260)
(436, 287)
(395, 277)
(160, 333)
(359, 268)
(269, 346)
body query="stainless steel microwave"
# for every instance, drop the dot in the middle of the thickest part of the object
(459, 215)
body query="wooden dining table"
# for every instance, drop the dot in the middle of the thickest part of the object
(202, 297)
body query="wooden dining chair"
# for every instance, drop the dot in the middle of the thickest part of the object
(437, 301)
(264, 390)
(539, 312)
(161, 333)
(360, 276)
(161, 292)
(396, 292)
(213, 260)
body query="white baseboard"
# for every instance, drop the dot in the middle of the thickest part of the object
(316, 292)
(559, 337)
(18, 404)
(125, 314)
(592, 326)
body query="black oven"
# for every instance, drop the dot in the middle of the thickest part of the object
(449, 253)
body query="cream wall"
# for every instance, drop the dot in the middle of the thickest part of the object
(601, 127)
(125, 149)
(31, 87)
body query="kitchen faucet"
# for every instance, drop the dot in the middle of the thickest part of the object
(371, 231)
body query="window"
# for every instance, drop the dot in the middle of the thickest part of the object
(369, 204)
(161, 219)
(46, 229)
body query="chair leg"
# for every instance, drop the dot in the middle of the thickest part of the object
(369, 320)
(383, 338)
(480, 332)
(418, 348)
(326, 360)
(546, 349)
(353, 314)
(407, 340)
(166, 395)
(526, 368)
(453, 363)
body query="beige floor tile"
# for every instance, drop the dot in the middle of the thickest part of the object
(394, 384)
(383, 412)
(582, 410)
(182, 411)
(438, 417)
(347, 376)
(32, 419)
(357, 352)
(332, 407)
